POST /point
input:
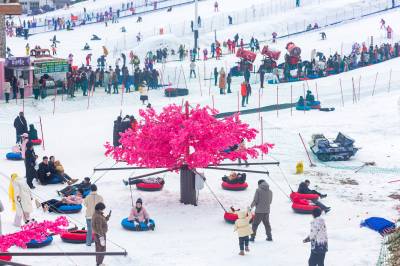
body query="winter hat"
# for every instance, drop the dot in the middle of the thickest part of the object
(139, 200)
(25, 135)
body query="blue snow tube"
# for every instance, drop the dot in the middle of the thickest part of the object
(378, 224)
(69, 208)
(313, 76)
(56, 179)
(303, 108)
(14, 156)
(39, 244)
(132, 226)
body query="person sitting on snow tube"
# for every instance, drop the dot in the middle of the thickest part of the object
(310, 97)
(235, 178)
(304, 189)
(53, 205)
(45, 172)
(86, 47)
(139, 216)
(33, 135)
(301, 102)
(59, 170)
(71, 190)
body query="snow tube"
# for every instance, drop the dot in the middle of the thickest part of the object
(149, 186)
(230, 217)
(271, 81)
(36, 141)
(56, 179)
(303, 108)
(303, 208)
(378, 224)
(174, 92)
(297, 195)
(14, 156)
(234, 187)
(313, 76)
(68, 209)
(75, 237)
(39, 244)
(291, 79)
(5, 258)
(130, 225)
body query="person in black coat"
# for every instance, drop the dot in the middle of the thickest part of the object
(304, 189)
(45, 172)
(247, 75)
(30, 163)
(116, 130)
(21, 126)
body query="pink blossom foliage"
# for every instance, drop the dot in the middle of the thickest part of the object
(174, 138)
(33, 231)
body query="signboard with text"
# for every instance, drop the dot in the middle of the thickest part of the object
(18, 62)
(48, 67)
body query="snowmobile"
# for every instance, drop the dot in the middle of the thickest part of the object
(341, 149)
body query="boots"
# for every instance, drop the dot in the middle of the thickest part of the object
(247, 249)
(72, 181)
(241, 253)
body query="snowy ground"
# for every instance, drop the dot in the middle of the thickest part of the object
(198, 235)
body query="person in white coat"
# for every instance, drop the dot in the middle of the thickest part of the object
(21, 199)
(25, 140)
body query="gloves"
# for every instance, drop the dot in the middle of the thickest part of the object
(102, 241)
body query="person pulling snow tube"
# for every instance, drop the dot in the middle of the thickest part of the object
(36, 141)
(234, 187)
(75, 237)
(135, 226)
(14, 156)
(39, 244)
(231, 217)
(68, 208)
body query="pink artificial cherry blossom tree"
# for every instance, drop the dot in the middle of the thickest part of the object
(184, 140)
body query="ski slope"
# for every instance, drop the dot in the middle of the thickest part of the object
(188, 235)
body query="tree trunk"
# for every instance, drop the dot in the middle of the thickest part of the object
(2, 36)
(188, 191)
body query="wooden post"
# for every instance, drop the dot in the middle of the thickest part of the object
(316, 90)
(41, 129)
(213, 103)
(376, 78)
(198, 74)
(277, 101)
(304, 99)
(359, 88)
(209, 87)
(291, 100)
(262, 135)
(259, 103)
(184, 77)
(341, 91)
(238, 101)
(390, 79)
(55, 99)
(354, 90)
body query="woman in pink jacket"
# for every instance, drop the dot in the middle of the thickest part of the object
(140, 216)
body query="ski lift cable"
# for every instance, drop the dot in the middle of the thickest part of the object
(282, 173)
(212, 192)
(276, 184)
(74, 220)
